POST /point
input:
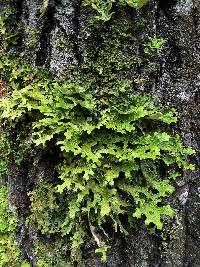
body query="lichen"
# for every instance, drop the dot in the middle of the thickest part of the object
(104, 8)
(105, 144)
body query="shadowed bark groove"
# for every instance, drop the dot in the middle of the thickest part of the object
(44, 53)
(76, 29)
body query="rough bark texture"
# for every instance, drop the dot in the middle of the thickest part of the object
(177, 84)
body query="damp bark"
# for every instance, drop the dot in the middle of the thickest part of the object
(62, 39)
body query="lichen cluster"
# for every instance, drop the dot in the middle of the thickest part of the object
(105, 8)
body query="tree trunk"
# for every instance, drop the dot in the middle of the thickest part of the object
(60, 38)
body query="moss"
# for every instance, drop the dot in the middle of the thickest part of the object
(9, 28)
(4, 153)
(9, 249)
(52, 254)
(117, 54)
(59, 40)
(32, 37)
(47, 208)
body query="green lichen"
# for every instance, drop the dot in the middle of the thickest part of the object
(112, 151)
(105, 8)
(154, 45)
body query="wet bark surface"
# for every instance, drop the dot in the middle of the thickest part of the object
(177, 84)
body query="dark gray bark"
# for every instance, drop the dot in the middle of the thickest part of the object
(177, 84)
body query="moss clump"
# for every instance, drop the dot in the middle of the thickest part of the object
(9, 30)
(4, 152)
(32, 37)
(52, 254)
(47, 208)
(9, 250)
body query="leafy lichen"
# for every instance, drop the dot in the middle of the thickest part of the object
(112, 150)
(104, 8)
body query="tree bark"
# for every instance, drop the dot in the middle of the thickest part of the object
(176, 84)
